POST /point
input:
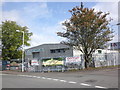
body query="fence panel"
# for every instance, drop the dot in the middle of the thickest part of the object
(108, 59)
(99, 60)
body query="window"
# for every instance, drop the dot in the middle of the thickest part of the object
(36, 54)
(57, 51)
(52, 51)
(99, 51)
(62, 51)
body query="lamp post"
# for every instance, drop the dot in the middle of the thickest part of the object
(22, 50)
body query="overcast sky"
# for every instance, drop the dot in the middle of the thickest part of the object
(44, 18)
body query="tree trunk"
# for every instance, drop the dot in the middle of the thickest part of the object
(86, 64)
(87, 59)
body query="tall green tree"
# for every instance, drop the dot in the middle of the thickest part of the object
(86, 30)
(12, 40)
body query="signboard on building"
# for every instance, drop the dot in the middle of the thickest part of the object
(34, 62)
(115, 46)
(52, 61)
(73, 59)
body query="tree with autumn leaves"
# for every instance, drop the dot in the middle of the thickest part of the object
(86, 30)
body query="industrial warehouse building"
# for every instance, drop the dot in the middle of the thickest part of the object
(60, 50)
(54, 52)
(50, 51)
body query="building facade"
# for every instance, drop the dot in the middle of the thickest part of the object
(53, 52)
(49, 51)
(57, 50)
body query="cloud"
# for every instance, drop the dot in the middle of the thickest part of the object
(46, 35)
(61, 22)
(37, 10)
(38, 39)
(26, 16)
(13, 15)
(30, 12)
(111, 7)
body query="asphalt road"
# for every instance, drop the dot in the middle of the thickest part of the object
(96, 79)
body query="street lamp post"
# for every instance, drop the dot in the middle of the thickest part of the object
(22, 50)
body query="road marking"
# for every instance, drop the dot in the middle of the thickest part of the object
(55, 79)
(21, 75)
(99, 87)
(29, 76)
(85, 84)
(43, 78)
(24, 75)
(49, 78)
(59, 80)
(72, 82)
(34, 76)
(63, 80)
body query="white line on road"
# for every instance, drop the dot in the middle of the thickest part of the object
(72, 82)
(49, 78)
(34, 76)
(43, 78)
(100, 87)
(55, 79)
(63, 80)
(22, 75)
(85, 84)
(28, 76)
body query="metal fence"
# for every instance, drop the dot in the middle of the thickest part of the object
(106, 59)
(99, 60)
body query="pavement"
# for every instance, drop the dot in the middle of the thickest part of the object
(103, 78)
